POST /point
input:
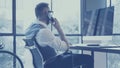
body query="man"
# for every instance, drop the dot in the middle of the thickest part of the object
(48, 44)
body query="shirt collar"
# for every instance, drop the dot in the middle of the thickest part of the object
(40, 22)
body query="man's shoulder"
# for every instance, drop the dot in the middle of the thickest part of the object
(34, 28)
(36, 25)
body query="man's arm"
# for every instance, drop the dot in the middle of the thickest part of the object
(62, 36)
(46, 37)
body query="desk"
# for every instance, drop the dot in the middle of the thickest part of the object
(108, 49)
(104, 49)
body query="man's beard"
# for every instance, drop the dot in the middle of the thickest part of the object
(48, 20)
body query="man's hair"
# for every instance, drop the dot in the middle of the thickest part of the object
(39, 7)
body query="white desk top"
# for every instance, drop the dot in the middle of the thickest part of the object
(101, 48)
(95, 45)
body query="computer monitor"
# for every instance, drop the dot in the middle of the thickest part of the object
(98, 22)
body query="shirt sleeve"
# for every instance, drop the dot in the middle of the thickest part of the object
(46, 37)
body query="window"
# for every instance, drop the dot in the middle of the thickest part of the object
(6, 28)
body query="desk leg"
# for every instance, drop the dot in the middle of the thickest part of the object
(92, 54)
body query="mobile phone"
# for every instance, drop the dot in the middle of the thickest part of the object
(50, 16)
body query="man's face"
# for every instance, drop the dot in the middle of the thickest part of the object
(45, 14)
(46, 11)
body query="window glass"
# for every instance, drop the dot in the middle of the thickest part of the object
(116, 4)
(8, 42)
(113, 60)
(73, 39)
(23, 53)
(7, 59)
(68, 14)
(5, 16)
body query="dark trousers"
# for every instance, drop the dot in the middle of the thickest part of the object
(70, 61)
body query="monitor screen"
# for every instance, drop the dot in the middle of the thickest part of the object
(98, 22)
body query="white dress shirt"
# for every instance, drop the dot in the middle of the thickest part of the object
(45, 37)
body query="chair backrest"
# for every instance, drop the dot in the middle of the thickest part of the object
(46, 51)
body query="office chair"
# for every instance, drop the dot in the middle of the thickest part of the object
(46, 51)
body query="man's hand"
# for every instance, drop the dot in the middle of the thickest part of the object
(56, 23)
